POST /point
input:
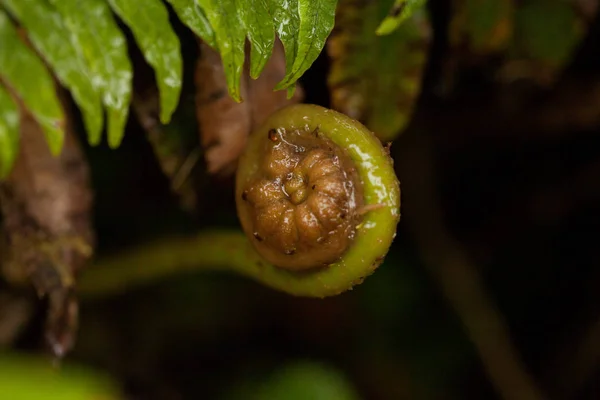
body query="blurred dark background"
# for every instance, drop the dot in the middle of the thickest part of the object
(513, 170)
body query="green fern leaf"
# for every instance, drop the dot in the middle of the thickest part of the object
(317, 18)
(287, 22)
(261, 32)
(50, 37)
(85, 49)
(230, 37)
(9, 132)
(103, 46)
(150, 26)
(23, 71)
(193, 16)
(400, 11)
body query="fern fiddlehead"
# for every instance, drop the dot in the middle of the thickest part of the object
(303, 240)
(316, 192)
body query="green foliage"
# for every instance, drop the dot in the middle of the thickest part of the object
(195, 18)
(159, 44)
(83, 46)
(261, 32)
(307, 380)
(399, 12)
(286, 25)
(549, 29)
(316, 23)
(9, 132)
(92, 27)
(298, 380)
(49, 35)
(229, 33)
(487, 22)
(30, 378)
(28, 77)
(536, 38)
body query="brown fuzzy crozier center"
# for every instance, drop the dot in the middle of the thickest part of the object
(304, 200)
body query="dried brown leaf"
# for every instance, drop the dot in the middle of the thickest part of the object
(225, 124)
(46, 203)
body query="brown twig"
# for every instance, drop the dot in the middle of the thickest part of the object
(15, 313)
(457, 276)
(576, 364)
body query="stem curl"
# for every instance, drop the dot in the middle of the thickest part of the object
(373, 228)
(363, 219)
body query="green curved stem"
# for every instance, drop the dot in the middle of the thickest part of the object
(223, 250)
